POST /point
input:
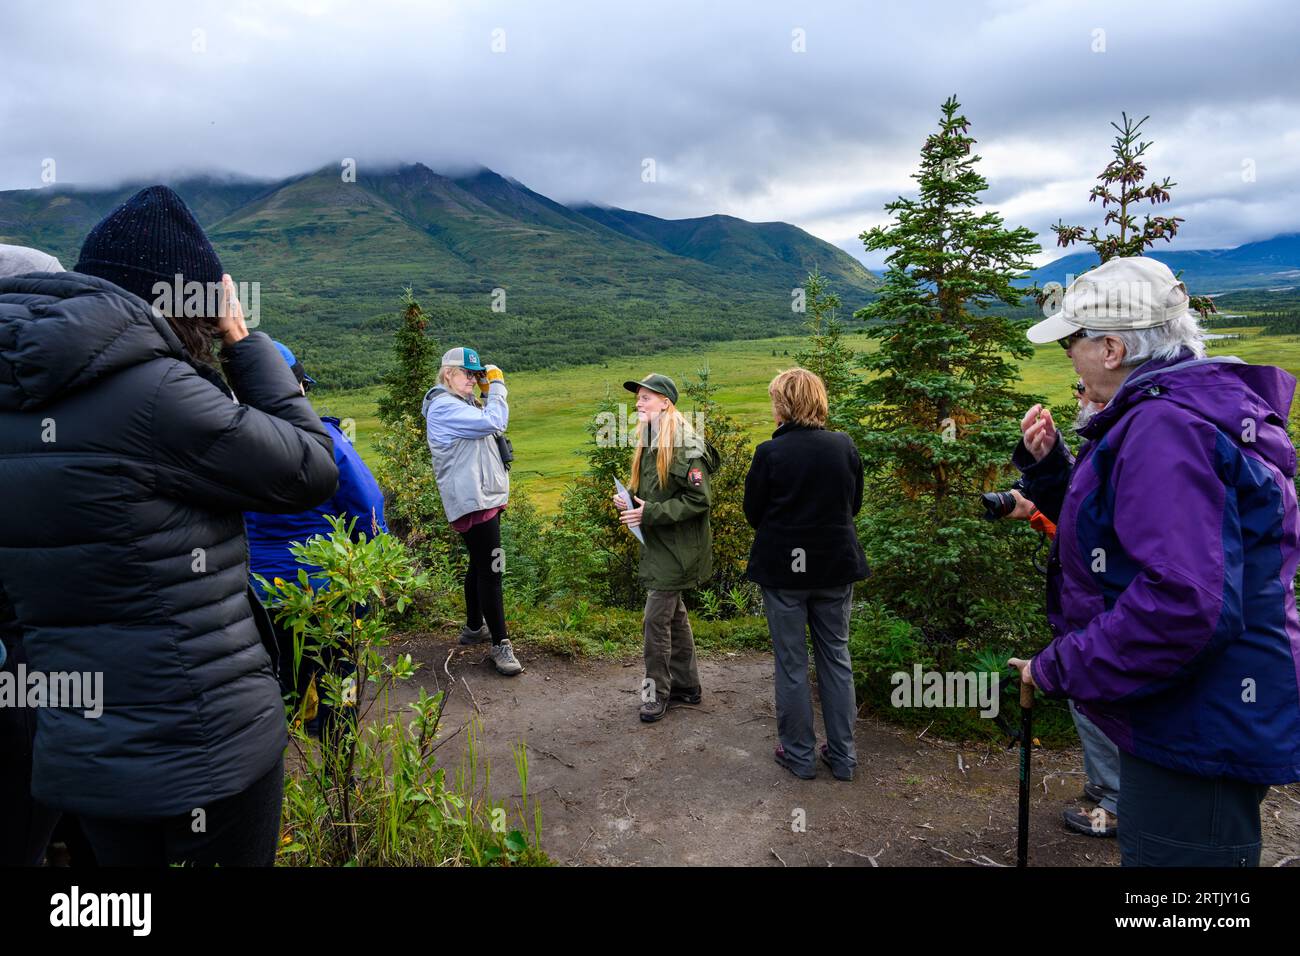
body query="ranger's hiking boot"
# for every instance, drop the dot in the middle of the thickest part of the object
(692, 696)
(653, 710)
(503, 658)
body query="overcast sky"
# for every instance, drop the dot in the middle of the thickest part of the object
(571, 98)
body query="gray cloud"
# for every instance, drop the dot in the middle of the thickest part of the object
(735, 119)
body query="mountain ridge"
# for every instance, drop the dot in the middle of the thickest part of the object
(531, 280)
(1263, 264)
(216, 199)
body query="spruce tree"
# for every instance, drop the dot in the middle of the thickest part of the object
(415, 367)
(828, 353)
(1122, 188)
(413, 506)
(940, 406)
(1122, 185)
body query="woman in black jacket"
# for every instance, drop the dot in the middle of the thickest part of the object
(126, 466)
(803, 488)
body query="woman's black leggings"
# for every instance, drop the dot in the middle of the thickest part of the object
(483, 579)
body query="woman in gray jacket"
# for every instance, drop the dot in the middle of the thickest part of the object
(474, 486)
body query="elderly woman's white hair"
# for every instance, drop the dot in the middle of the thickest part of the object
(444, 373)
(1160, 342)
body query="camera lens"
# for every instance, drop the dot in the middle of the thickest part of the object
(998, 504)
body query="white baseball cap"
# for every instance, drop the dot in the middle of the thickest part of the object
(1130, 292)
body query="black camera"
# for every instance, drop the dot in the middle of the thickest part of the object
(999, 504)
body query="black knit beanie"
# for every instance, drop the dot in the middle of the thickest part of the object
(150, 238)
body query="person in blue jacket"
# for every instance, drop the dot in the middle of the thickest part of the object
(270, 536)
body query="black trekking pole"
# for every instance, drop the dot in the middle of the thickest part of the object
(1026, 750)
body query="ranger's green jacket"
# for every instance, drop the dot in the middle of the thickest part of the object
(678, 549)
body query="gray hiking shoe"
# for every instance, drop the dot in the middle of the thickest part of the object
(475, 637)
(1095, 822)
(503, 658)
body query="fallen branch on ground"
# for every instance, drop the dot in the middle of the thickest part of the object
(547, 753)
(980, 860)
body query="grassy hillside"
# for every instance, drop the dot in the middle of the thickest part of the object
(741, 247)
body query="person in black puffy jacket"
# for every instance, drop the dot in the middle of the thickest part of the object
(26, 825)
(127, 464)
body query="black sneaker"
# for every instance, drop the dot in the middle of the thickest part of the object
(1092, 792)
(780, 756)
(685, 696)
(835, 772)
(1095, 822)
(653, 710)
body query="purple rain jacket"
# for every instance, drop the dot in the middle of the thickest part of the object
(1171, 590)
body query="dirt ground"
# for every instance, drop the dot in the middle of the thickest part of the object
(701, 787)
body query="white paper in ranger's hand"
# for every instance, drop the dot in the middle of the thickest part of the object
(627, 496)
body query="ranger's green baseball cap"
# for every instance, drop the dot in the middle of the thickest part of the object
(661, 384)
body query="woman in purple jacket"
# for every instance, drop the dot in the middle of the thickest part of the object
(1170, 588)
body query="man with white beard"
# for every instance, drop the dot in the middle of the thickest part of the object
(1100, 755)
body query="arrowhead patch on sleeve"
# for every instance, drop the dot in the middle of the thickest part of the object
(696, 477)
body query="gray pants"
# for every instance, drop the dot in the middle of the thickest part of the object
(824, 611)
(669, 646)
(1100, 760)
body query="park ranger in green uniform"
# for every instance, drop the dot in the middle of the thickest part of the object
(671, 469)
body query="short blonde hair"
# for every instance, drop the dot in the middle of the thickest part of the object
(799, 395)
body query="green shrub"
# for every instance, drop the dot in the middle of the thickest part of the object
(732, 535)
(528, 559)
(592, 554)
(369, 792)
